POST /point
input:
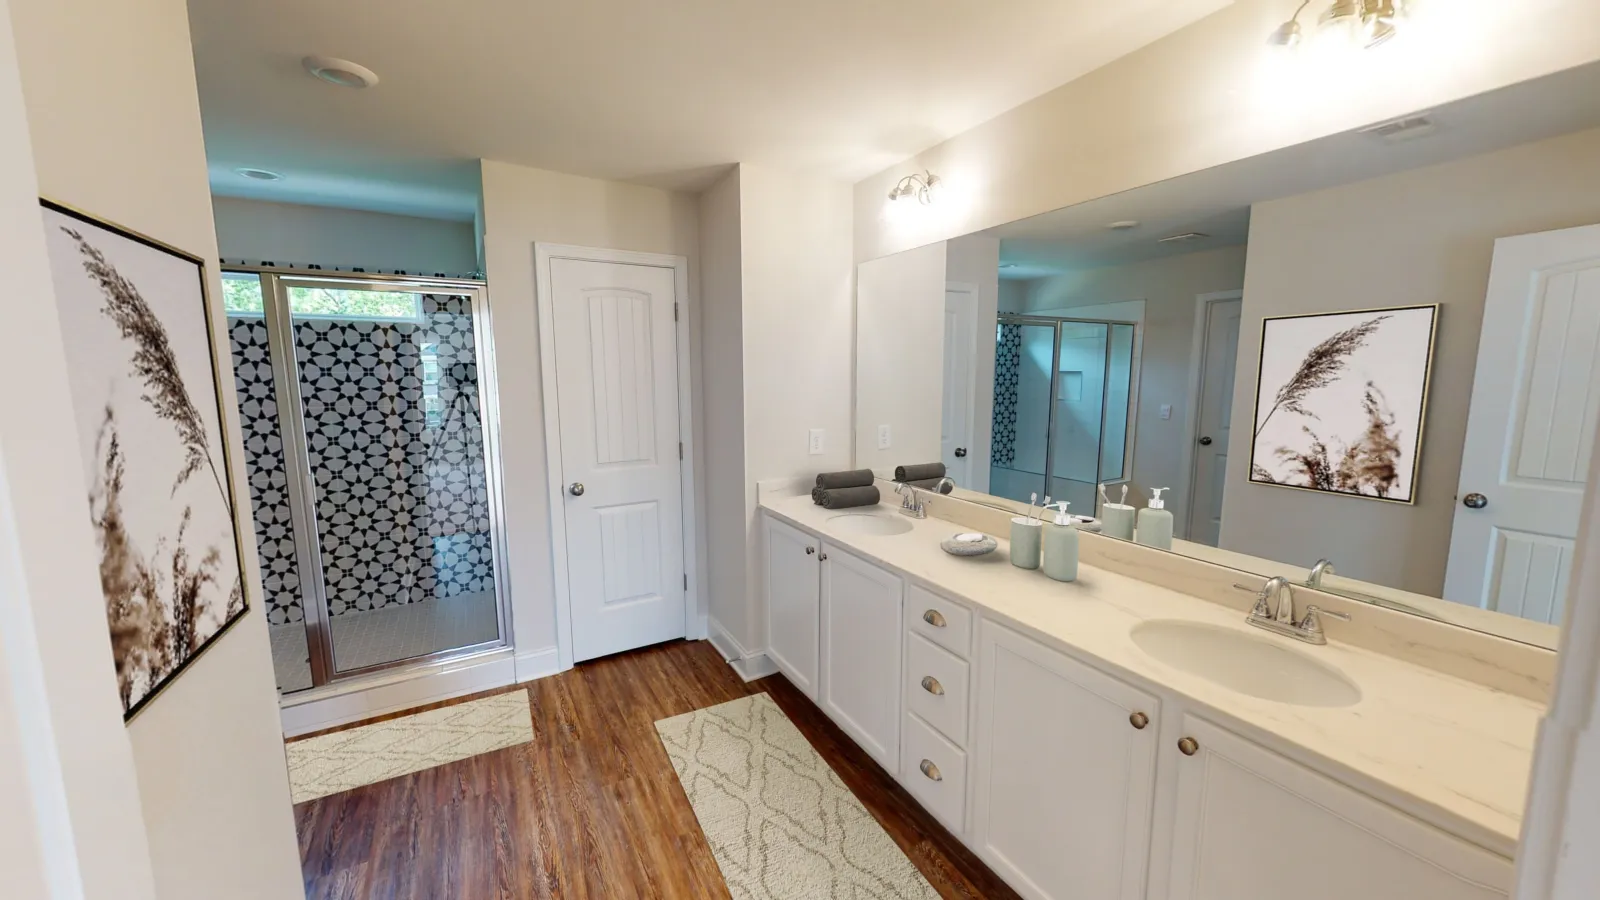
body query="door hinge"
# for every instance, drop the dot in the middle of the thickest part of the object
(674, 311)
(686, 581)
(680, 451)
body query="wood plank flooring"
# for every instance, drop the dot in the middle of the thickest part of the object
(591, 807)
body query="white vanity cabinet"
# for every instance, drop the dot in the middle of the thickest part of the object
(1251, 824)
(794, 582)
(859, 685)
(1064, 772)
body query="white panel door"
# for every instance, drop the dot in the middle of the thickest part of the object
(1531, 428)
(1064, 777)
(960, 363)
(793, 603)
(1215, 399)
(1252, 825)
(859, 686)
(617, 378)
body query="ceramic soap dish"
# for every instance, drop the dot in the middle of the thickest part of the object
(969, 543)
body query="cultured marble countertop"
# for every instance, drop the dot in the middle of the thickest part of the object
(1449, 751)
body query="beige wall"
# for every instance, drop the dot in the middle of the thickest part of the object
(1209, 94)
(1424, 236)
(1169, 287)
(900, 357)
(115, 122)
(290, 234)
(523, 205)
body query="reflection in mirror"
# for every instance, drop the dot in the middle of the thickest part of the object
(1426, 453)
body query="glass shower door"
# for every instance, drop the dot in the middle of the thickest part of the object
(1024, 359)
(1078, 424)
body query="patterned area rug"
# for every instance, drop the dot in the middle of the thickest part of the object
(780, 822)
(343, 760)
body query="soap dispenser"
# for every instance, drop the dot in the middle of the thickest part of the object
(1155, 523)
(1116, 519)
(1061, 546)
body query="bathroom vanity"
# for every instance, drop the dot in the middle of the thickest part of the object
(1114, 738)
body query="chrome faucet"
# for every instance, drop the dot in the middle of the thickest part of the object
(910, 504)
(1280, 618)
(938, 486)
(1323, 567)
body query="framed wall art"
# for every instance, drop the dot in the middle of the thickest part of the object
(136, 326)
(1341, 399)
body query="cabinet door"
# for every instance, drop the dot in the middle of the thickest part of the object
(793, 579)
(1064, 778)
(1253, 824)
(860, 683)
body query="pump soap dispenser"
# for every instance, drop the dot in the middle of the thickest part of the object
(1155, 523)
(1061, 546)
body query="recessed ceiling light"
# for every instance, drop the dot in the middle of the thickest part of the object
(258, 174)
(1124, 225)
(1182, 238)
(342, 72)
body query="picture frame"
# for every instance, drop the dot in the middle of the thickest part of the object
(1341, 401)
(138, 331)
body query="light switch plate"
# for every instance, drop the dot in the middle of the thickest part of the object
(883, 437)
(814, 445)
(1166, 410)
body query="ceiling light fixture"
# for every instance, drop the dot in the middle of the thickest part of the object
(1365, 22)
(919, 185)
(341, 72)
(1289, 34)
(255, 174)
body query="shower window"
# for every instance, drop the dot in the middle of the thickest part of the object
(372, 472)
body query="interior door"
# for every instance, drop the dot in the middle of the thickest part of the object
(617, 378)
(1215, 399)
(960, 360)
(1531, 427)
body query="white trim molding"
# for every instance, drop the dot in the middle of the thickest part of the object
(694, 625)
(536, 664)
(344, 702)
(748, 664)
(1191, 412)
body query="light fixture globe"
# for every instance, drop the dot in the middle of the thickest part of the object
(921, 185)
(1289, 35)
(1380, 21)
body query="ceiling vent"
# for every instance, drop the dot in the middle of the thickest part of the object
(1184, 238)
(1408, 128)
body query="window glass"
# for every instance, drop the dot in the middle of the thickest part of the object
(241, 293)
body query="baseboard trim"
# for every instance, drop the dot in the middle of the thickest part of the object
(758, 666)
(749, 665)
(357, 702)
(536, 664)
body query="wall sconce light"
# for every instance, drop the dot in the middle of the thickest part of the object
(1368, 22)
(920, 185)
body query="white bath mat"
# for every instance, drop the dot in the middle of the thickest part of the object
(343, 760)
(780, 822)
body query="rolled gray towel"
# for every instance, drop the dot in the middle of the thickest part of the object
(850, 497)
(817, 494)
(855, 478)
(924, 472)
(927, 484)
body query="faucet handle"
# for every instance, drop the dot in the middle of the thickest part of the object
(1311, 621)
(1263, 608)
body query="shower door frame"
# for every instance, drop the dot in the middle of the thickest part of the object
(1136, 353)
(301, 483)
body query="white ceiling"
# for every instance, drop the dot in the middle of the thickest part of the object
(1217, 201)
(664, 92)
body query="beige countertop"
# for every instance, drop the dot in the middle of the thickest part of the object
(1444, 749)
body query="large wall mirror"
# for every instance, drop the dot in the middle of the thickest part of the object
(1366, 363)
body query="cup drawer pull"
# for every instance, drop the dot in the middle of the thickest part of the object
(930, 770)
(934, 617)
(932, 685)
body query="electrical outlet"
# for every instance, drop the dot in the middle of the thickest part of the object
(883, 437)
(1166, 410)
(814, 447)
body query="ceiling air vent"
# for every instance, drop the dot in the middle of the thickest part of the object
(1408, 128)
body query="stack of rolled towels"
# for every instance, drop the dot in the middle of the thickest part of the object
(845, 490)
(924, 475)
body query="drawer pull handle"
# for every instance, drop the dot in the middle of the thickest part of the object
(934, 617)
(930, 770)
(1139, 720)
(811, 551)
(932, 685)
(1189, 746)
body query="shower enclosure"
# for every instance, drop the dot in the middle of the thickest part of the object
(1063, 391)
(367, 409)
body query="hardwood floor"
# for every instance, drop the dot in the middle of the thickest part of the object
(591, 807)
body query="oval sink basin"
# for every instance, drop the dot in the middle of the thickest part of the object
(868, 523)
(1245, 663)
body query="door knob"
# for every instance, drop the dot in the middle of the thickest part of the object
(961, 453)
(1205, 442)
(1474, 501)
(576, 490)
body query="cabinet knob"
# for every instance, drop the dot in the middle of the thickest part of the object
(822, 555)
(930, 770)
(934, 617)
(932, 685)
(810, 551)
(1189, 746)
(1139, 720)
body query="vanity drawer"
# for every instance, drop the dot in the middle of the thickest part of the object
(935, 772)
(945, 622)
(936, 687)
